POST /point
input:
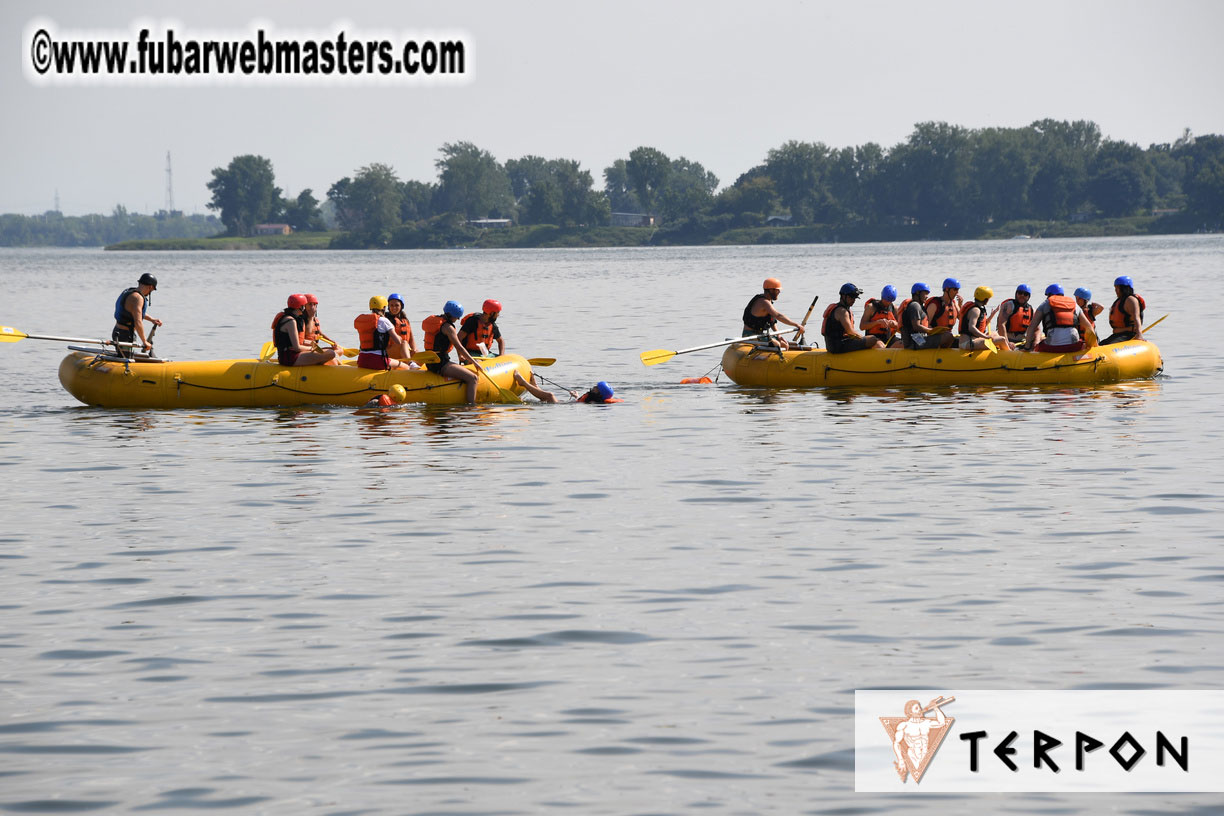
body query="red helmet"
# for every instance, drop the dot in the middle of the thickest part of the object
(491, 306)
(311, 299)
(297, 301)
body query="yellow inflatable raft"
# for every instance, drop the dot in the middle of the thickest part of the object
(747, 364)
(96, 380)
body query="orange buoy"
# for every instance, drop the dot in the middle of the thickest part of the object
(696, 381)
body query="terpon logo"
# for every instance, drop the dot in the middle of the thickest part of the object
(1099, 741)
(916, 737)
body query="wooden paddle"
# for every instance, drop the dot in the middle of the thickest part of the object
(803, 324)
(656, 356)
(1149, 328)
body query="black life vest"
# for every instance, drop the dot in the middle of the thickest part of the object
(760, 324)
(435, 339)
(122, 316)
(282, 338)
(981, 321)
(832, 329)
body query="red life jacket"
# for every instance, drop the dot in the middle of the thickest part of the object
(435, 339)
(1061, 313)
(587, 398)
(1120, 320)
(478, 332)
(879, 310)
(981, 321)
(1020, 318)
(372, 341)
(944, 316)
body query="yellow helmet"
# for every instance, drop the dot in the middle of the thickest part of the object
(378, 302)
(983, 293)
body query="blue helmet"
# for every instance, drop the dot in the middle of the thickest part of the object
(849, 289)
(889, 293)
(1054, 289)
(1124, 280)
(1084, 292)
(604, 390)
(395, 296)
(951, 283)
(452, 309)
(1024, 289)
(919, 287)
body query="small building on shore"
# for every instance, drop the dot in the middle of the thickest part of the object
(632, 220)
(490, 223)
(273, 229)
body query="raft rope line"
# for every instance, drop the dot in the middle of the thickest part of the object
(1094, 362)
(182, 382)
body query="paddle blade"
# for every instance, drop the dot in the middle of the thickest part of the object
(267, 352)
(541, 362)
(656, 356)
(10, 335)
(425, 357)
(990, 344)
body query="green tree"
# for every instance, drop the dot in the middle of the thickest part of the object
(472, 182)
(543, 203)
(303, 213)
(687, 191)
(1003, 171)
(245, 193)
(1121, 180)
(799, 170)
(753, 196)
(647, 170)
(619, 189)
(368, 205)
(416, 201)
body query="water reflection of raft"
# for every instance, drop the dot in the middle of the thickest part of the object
(747, 364)
(249, 383)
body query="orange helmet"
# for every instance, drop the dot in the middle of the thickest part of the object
(772, 283)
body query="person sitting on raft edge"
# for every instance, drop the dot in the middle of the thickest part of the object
(1126, 313)
(1061, 320)
(287, 329)
(480, 329)
(837, 327)
(880, 318)
(376, 334)
(599, 394)
(440, 338)
(975, 323)
(1015, 315)
(760, 315)
(915, 332)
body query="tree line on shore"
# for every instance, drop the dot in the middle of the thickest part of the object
(943, 181)
(53, 228)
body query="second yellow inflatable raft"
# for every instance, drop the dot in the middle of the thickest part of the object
(747, 364)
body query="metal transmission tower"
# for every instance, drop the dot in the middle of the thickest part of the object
(57, 209)
(169, 186)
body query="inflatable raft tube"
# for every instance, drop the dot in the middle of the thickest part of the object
(748, 364)
(97, 380)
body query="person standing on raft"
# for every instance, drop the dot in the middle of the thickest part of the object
(377, 334)
(837, 327)
(287, 329)
(131, 309)
(478, 331)
(440, 338)
(1126, 313)
(1061, 320)
(760, 315)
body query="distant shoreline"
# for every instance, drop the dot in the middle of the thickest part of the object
(549, 237)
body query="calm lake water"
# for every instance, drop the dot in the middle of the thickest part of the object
(656, 607)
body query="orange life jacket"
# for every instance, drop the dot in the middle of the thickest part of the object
(586, 398)
(824, 321)
(372, 341)
(482, 334)
(1120, 320)
(1061, 313)
(402, 325)
(879, 310)
(981, 321)
(1020, 318)
(435, 339)
(944, 316)
(310, 331)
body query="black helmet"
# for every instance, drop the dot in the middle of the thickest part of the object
(147, 280)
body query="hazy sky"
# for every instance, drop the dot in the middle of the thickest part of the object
(717, 82)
